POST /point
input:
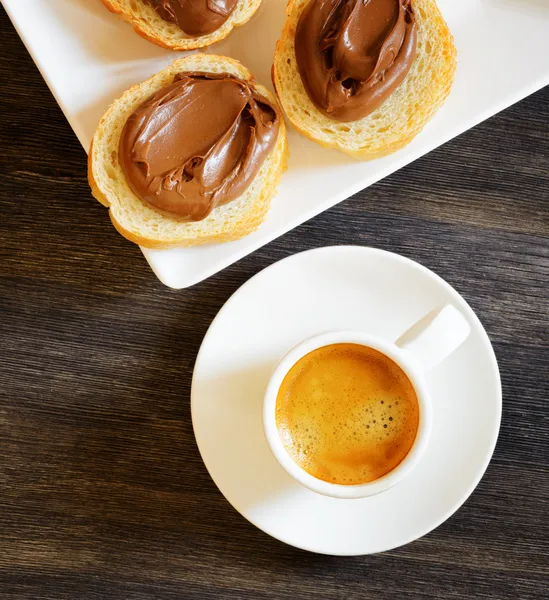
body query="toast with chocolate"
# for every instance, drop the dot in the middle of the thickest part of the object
(193, 155)
(363, 76)
(184, 24)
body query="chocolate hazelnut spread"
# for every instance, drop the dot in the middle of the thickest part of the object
(194, 17)
(353, 54)
(197, 143)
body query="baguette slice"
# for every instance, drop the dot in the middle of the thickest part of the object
(400, 118)
(148, 24)
(140, 223)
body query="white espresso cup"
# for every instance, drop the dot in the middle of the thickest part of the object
(421, 348)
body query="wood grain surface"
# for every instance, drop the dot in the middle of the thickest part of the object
(103, 492)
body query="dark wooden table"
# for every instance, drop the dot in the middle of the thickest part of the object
(103, 492)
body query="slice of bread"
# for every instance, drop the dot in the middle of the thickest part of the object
(148, 24)
(140, 223)
(400, 118)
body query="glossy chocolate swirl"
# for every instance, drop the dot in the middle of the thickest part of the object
(353, 54)
(197, 143)
(194, 17)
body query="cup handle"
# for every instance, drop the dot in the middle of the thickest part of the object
(435, 336)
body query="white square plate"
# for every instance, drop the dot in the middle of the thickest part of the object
(88, 57)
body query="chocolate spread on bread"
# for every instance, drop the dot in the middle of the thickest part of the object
(197, 143)
(353, 54)
(194, 17)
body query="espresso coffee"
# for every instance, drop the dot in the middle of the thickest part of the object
(347, 414)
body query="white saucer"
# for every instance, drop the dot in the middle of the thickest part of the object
(342, 287)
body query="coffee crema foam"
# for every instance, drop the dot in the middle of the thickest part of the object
(347, 414)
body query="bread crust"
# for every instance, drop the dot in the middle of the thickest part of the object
(151, 28)
(103, 167)
(296, 103)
